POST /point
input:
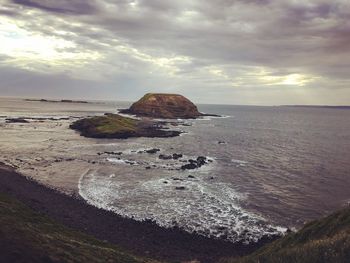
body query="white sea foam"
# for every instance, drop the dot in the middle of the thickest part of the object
(208, 118)
(122, 161)
(239, 162)
(128, 115)
(205, 208)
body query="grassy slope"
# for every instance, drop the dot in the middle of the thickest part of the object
(324, 240)
(26, 236)
(106, 125)
(150, 95)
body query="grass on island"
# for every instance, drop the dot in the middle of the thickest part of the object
(27, 236)
(324, 240)
(107, 125)
(147, 96)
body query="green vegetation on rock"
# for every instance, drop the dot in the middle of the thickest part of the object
(109, 125)
(117, 126)
(325, 240)
(27, 236)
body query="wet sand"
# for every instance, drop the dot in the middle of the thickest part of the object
(140, 238)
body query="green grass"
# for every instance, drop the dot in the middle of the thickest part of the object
(147, 96)
(109, 124)
(324, 240)
(31, 237)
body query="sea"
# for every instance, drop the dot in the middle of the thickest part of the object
(271, 168)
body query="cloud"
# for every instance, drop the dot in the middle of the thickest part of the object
(77, 7)
(227, 48)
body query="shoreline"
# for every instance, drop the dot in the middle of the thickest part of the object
(140, 238)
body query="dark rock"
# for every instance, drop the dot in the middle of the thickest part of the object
(165, 182)
(113, 153)
(189, 166)
(180, 188)
(16, 120)
(186, 124)
(177, 179)
(177, 156)
(201, 160)
(148, 167)
(191, 176)
(165, 157)
(152, 151)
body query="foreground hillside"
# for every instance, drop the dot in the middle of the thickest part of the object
(45, 234)
(31, 235)
(324, 240)
(27, 236)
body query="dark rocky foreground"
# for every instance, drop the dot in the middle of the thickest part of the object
(140, 238)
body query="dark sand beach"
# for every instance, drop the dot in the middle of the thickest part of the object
(140, 238)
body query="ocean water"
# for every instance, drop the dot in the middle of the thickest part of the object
(272, 167)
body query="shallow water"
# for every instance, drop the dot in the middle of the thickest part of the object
(273, 167)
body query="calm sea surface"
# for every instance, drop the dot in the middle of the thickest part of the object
(275, 167)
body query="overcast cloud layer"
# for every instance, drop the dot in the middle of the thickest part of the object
(265, 52)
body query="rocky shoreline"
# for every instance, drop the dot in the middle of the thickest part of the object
(141, 238)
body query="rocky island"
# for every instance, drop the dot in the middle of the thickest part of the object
(151, 105)
(119, 127)
(167, 106)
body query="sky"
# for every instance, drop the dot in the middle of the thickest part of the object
(246, 52)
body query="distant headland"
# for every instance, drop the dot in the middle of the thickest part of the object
(64, 101)
(318, 106)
